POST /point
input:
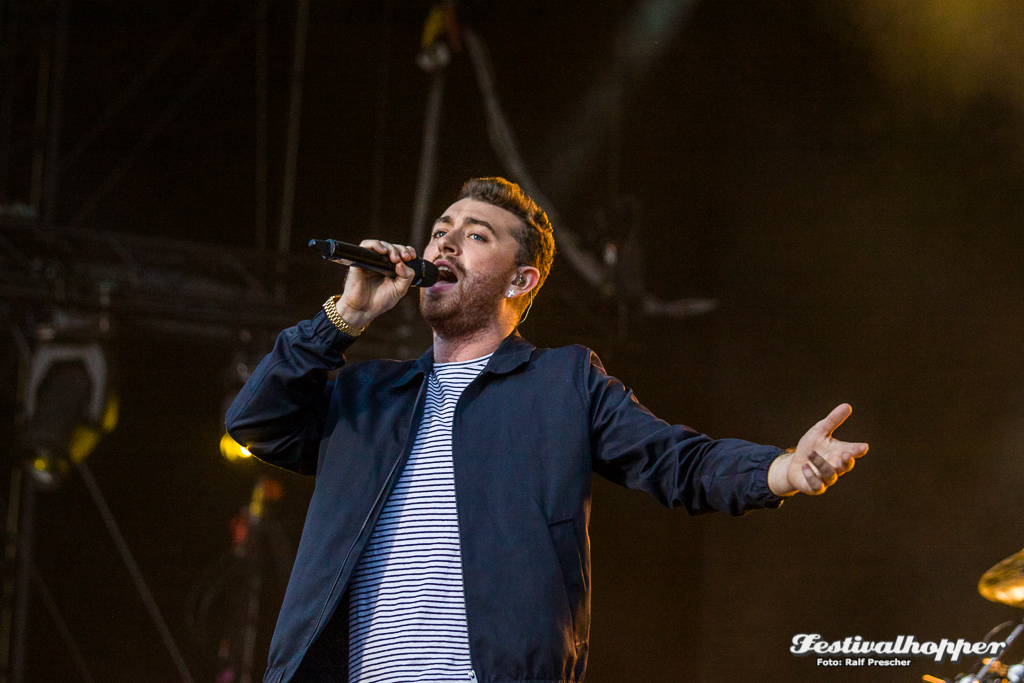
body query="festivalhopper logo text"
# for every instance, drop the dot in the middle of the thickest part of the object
(812, 643)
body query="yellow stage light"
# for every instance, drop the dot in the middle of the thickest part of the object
(232, 450)
(85, 438)
(47, 470)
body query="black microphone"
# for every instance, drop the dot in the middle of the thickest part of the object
(367, 259)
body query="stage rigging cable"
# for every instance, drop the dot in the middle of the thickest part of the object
(434, 58)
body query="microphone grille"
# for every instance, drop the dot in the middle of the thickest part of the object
(426, 273)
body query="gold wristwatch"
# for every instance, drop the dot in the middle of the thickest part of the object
(331, 308)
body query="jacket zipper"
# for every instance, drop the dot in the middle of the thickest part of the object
(358, 536)
(366, 520)
(458, 520)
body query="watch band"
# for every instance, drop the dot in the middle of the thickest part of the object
(331, 309)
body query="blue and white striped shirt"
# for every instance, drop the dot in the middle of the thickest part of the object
(407, 613)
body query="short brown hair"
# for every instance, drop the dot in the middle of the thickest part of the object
(536, 238)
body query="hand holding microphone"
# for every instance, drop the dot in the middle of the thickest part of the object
(379, 278)
(362, 257)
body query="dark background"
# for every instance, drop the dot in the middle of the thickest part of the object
(844, 178)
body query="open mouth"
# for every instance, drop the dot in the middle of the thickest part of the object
(446, 273)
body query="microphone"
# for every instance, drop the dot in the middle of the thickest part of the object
(367, 259)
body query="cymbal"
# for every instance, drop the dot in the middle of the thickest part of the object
(1004, 582)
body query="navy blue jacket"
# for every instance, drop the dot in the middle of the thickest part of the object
(527, 434)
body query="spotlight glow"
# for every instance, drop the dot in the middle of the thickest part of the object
(232, 450)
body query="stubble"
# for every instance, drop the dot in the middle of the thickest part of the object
(472, 305)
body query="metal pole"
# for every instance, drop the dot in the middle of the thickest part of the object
(252, 611)
(10, 81)
(24, 577)
(10, 579)
(428, 163)
(42, 101)
(261, 123)
(53, 127)
(133, 570)
(62, 627)
(294, 121)
(380, 132)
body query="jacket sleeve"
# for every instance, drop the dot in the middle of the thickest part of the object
(279, 414)
(672, 463)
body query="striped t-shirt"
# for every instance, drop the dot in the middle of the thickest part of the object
(407, 613)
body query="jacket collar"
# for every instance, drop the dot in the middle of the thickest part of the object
(510, 354)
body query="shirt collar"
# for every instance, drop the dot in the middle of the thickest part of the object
(510, 354)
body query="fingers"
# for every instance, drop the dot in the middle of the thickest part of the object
(819, 473)
(820, 459)
(844, 454)
(820, 476)
(396, 252)
(842, 461)
(835, 418)
(815, 486)
(852, 450)
(826, 474)
(404, 272)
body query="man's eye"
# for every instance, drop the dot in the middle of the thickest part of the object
(438, 233)
(479, 237)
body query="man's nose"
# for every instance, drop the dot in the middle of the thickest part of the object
(449, 243)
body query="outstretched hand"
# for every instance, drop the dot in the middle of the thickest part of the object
(818, 460)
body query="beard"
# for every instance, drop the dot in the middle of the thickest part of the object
(468, 307)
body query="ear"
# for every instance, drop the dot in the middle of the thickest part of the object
(524, 279)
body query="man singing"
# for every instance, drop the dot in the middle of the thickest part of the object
(447, 537)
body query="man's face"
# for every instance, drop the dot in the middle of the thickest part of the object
(473, 244)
